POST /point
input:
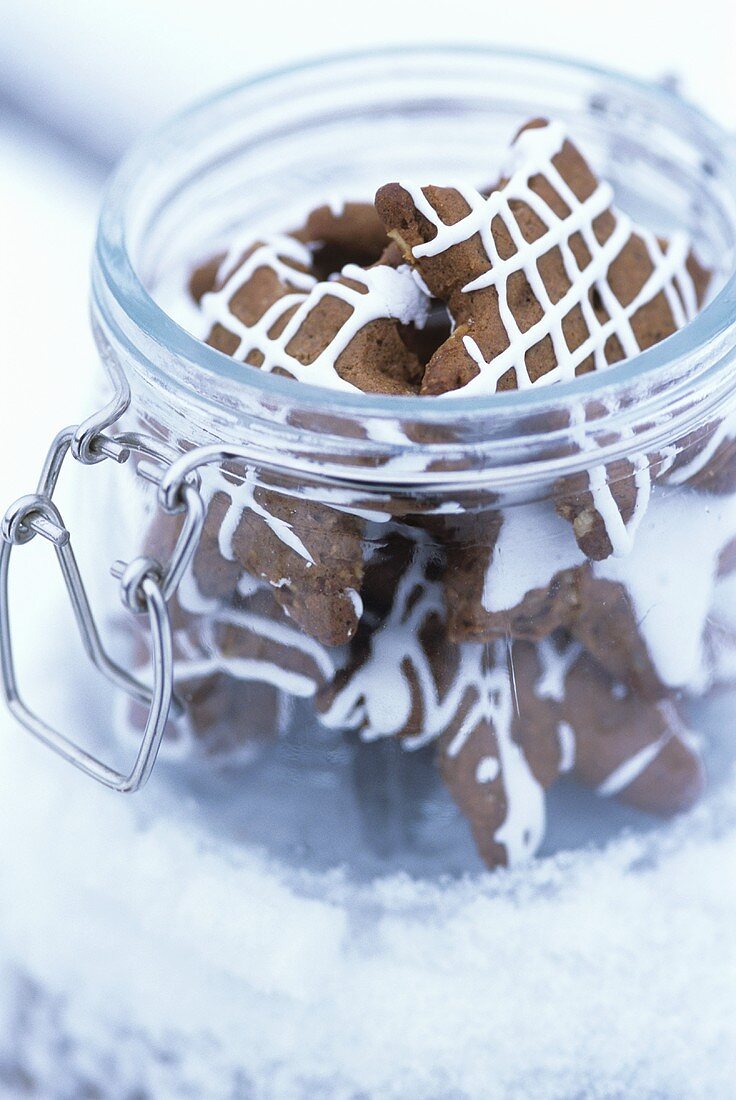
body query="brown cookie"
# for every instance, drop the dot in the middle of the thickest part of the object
(309, 553)
(215, 576)
(569, 716)
(501, 752)
(508, 717)
(545, 281)
(510, 572)
(221, 716)
(540, 612)
(203, 278)
(381, 691)
(405, 679)
(638, 751)
(311, 557)
(600, 503)
(248, 283)
(268, 309)
(256, 641)
(605, 623)
(543, 278)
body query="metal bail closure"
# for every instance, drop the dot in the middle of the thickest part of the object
(38, 515)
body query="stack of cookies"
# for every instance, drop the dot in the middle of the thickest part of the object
(524, 641)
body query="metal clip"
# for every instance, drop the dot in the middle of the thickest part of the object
(146, 586)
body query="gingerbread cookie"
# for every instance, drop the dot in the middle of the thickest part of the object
(349, 329)
(638, 751)
(404, 679)
(545, 281)
(216, 577)
(603, 504)
(605, 622)
(310, 555)
(515, 577)
(256, 641)
(268, 309)
(469, 618)
(597, 611)
(211, 704)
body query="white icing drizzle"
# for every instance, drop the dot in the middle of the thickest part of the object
(199, 662)
(283, 635)
(388, 293)
(346, 500)
(532, 155)
(670, 583)
(274, 252)
(620, 535)
(356, 600)
(202, 658)
(556, 663)
(336, 204)
(247, 669)
(487, 770)
(523, 827)
(566, 737)
(378, 695)
(247, 585)
(630, 769)
(401, 294)
(191, 599)
(242, 498)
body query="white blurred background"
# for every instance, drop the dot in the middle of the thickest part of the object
(79, 81)
(100, 71)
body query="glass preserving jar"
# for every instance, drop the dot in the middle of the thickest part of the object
(378, 571)
(344, 587)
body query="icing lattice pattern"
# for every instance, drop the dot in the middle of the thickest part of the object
(532, 156)
(388, 293)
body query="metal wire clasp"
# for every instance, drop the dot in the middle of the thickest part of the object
(146, 586)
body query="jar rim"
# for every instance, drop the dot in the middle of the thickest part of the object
(702, 340)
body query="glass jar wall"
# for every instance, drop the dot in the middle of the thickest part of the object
(522, 589)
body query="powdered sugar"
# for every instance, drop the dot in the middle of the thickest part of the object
(193, 966)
